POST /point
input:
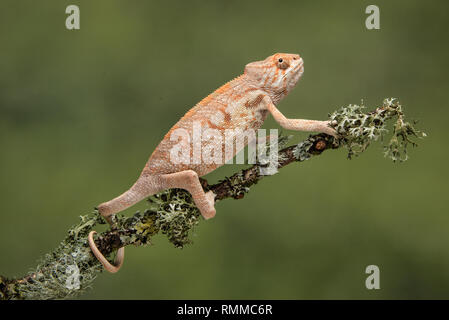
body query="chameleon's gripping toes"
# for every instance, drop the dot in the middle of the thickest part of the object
(242, 103)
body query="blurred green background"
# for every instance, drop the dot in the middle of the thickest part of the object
(81, 111)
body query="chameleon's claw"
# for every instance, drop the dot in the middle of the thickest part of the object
(330, 130)
(112, 268)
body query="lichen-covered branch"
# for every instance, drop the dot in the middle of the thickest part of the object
(71, 268)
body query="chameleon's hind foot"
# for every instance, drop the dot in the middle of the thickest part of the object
(112, 268)
(210, 212)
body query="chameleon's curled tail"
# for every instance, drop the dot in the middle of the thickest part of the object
(112, 268)
(144, 187)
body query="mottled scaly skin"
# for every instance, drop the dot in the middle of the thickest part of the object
(237, 104)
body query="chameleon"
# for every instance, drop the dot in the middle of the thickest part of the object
(242, 103)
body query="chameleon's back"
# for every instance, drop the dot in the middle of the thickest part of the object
(239, 104)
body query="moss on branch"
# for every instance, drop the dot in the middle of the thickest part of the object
(71, 268)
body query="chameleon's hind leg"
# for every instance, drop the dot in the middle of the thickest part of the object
(189, 181)
(144, 187)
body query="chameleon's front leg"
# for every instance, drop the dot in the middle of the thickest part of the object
(300, 124)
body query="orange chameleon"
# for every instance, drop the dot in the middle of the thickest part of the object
(242, 103)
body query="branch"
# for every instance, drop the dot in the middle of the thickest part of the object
(71, 268)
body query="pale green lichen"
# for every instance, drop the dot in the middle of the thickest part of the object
(358, 129)
(301, 151)
(268, 156)
(71, 268)
(67, 271)
(176, 215)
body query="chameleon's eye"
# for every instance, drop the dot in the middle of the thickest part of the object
(283, 64)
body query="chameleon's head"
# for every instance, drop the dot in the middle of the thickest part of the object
(277, 74)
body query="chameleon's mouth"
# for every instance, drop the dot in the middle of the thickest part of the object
(300, 66)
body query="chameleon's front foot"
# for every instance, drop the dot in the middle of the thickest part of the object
(328, 129)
